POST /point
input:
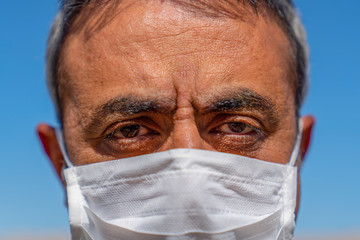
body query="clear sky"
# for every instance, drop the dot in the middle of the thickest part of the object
(32, 198)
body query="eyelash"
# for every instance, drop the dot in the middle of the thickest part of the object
(117, 127)
(229, 123)
(224, 119)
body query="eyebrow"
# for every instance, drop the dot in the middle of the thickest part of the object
(243, 99)
(235, 100)
(131, 105)
(239, 99)
(127, 106)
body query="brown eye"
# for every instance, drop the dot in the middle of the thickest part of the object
(233, 128)
(131, 137)
(237, 127)
(129, 131)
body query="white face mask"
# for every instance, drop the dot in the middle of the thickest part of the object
(182, 194)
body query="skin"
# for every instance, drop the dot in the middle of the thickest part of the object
(215, 84)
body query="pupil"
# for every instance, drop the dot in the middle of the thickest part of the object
(237, 127)
(130, 131)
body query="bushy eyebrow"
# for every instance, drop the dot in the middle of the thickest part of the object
(236, 100)
(243, 99)
(127, 106)
(131, 105)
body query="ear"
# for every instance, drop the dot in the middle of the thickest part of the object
(308, 123)
(50, 144)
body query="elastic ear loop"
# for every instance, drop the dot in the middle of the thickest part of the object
(60, 138)
(295, 155)
(294, 159)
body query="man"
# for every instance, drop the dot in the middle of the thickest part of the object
(179, 119)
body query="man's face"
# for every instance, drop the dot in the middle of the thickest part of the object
(155, 77)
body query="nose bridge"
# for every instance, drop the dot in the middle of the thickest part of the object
(185, 131)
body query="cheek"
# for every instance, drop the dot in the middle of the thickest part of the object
(280, 146)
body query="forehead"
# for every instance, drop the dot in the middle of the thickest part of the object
(141, 46)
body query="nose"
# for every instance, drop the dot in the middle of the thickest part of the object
(185, 133)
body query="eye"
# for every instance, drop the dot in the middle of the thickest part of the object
(235, 133)
(132, 137)
(129, 131)
(233, 128)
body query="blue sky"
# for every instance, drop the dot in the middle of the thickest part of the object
(32, 198)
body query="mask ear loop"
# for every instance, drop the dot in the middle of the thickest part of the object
(295, 155)
(60, 138)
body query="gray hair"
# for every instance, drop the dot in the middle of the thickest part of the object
(283, 10)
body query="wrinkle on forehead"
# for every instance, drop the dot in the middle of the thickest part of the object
(99, 13)
(147, 45)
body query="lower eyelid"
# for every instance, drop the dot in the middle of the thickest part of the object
(239, 141)
(116, 147)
